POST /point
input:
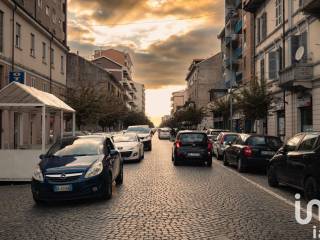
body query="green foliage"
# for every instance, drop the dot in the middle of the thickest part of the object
(254, 101)
(222, 107)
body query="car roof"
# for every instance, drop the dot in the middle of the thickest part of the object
(191, 131)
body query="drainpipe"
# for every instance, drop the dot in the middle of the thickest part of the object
(13, 37)
(50, 64)
(284, 59)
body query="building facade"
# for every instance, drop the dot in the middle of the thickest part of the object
(178, 100)
(287, 57)
(140, 100)
(33, 51)
(203, 75)
(120, 65)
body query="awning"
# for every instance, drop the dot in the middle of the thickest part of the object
(20, 95)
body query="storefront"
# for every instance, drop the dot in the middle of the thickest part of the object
(304, 103)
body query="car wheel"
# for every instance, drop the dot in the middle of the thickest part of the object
(150, 148)
(107, 192)
(175, 162)
(225, 160)
(209, 162)
(119, 179)
(272, 176)
(311, 189)
(38, 201)
(240, 166)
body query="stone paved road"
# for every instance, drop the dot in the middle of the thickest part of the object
(158, 201)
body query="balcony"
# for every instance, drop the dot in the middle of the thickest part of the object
(311, 7)
(238, 53)
(229, 61)
(253, 5)
(296, 76)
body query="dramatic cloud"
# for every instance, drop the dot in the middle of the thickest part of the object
(163, 36)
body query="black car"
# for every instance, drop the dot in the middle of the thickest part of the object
(297, 164)
(77, 168)
(192, 146)
(249, 150)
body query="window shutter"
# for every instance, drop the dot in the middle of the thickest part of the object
(304, 43)
(1, 31)
(294, 48)
(262, 70)
(272, 65)
(258, 30)
(264, 25)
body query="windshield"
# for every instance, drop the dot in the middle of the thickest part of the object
(125, 138)
(192, 138)
(230, 138)
(138, 129)
(271, 142)
(79, 147)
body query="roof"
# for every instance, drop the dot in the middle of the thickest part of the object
(20, 95)
(114, 54)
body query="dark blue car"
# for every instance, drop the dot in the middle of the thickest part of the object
(77, 168)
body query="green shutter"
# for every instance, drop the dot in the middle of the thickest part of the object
(272, 65)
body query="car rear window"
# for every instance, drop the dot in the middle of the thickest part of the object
(230, 138)
(192, 138)
(272, 142)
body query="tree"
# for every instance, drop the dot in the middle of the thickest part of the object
(221, 108)
(136, 118)
(254, 101)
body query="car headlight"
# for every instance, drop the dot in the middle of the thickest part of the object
(94, 170)
(37, 174)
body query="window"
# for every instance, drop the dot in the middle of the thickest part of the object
(32, 47)
(62, 65)
(1, 31)
(33, 82)
(261, 28)
(18, 35)
(292, 143)
(52, 57)
(47, 10)
(40, 3)
(279, 12)
(44, 52)
(308, 142)
(44, 87)
(262, 69)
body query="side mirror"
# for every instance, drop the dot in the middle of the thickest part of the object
(42, 156)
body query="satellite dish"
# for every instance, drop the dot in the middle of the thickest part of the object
(299, 53)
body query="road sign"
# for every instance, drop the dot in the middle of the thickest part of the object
(17, 77)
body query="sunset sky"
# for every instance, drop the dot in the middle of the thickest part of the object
(163, 36)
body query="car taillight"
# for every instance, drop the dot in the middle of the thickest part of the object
(247, 151)
(209, 146)
(178, 144)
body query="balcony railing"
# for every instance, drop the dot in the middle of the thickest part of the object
(311, 7)
(299, 75)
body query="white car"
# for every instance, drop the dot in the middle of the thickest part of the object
(130, 146)
(164, 133)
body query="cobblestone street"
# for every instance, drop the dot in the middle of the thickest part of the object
(159, 201)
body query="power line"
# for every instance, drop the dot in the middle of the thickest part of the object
(147, 22)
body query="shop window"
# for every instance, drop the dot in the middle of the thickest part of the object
(306, 119)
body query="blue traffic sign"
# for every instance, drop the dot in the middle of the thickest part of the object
(17, 77)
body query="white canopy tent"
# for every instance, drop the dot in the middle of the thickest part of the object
(17, 97)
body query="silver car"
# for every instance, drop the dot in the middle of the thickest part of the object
(129, 146)
(220, 145)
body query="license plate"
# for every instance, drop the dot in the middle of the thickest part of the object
(62, 188)
(194, 154)
(268, 153)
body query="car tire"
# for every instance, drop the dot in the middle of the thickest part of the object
(240, 167)
(38, 201)
(176, 163)
(272, 176)
(107, 191)
(225, 160)
(150, 148)
(209, 163)
(119, 179)
(311, 189)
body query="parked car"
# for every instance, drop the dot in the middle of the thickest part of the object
(164, 133)
(77, 168)
(213, 133)
(129, 146)
(250, 150)
(192, 146)
(297, 164)
(221, 144)
(144, 133)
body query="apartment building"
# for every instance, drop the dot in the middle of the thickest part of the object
(203, 75)
(237, 45)
(84, 73)
(140, 100)
(178, 100)
(119, 63)
(33, 51)
(287, 57)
